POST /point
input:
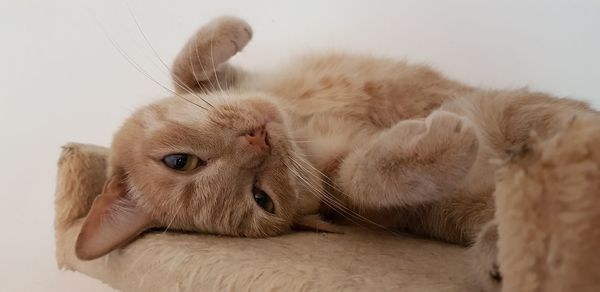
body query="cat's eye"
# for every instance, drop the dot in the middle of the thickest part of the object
(183, 162)
(262, 199)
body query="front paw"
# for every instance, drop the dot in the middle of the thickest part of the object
(230, 34)
(434, 155)
(414, 162)
(217, 41)
(484, 259)
(449, 135)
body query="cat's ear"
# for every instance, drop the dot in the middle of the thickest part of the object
(113, 220)
(313, 222)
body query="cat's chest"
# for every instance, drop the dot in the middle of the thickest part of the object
(326, 140)
(331, 116)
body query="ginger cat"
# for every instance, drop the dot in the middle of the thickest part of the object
(373, 141)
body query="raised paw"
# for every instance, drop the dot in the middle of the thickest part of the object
(448, 131)
(484, 259)
(444, 152)
(415, 161)
(211, 46)
(226, 35)
(443, 138)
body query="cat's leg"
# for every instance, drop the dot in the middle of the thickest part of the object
(413, 162)
(484, 258)
(201, 64)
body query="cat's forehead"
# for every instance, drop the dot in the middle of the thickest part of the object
(204, 113)
(173, 111)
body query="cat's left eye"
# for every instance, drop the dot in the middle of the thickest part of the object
(263, 200)
(183, 162)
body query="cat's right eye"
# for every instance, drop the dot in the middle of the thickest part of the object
(183, 162)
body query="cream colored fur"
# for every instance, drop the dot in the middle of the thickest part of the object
(364, 140)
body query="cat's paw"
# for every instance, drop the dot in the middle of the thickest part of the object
(232, 32)
(484, 259)
(202, 58)
(442, 149)
(413, 162)
(443, 137)
(220, 39)
(448, 132)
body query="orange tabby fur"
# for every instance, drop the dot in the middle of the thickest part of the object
(377, 141)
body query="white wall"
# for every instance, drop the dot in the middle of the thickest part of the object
(62, 80)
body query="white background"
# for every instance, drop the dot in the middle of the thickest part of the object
(62, 80)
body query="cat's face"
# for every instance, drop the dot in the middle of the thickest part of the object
(223, 169)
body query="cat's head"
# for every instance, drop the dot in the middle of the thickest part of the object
(224, 168)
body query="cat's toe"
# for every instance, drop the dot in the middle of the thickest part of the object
(447, 125)
(233, 31)
(450, 140)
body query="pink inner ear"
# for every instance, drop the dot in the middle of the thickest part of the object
(113, 220)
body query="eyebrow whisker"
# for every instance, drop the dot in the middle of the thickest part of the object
(147, 41)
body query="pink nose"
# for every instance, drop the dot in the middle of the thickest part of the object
(258, 138)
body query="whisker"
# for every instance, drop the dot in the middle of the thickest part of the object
(328, 202)
(324, 195)
(331, 199)
(332, 184)
(136, 66)
(206, 75)
(174, 215)
(212, 60)
(200, 85)
(341, 207)
(147, 41)
(313, 189)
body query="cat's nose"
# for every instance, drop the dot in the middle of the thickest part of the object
(258, 138)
